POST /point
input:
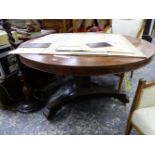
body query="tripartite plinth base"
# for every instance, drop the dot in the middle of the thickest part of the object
(26, 106)
(79, 88)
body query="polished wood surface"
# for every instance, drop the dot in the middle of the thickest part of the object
(90, 65)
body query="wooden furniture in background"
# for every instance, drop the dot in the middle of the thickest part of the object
(142, 113)
(71, 25)
(35, 35)
(60, 25)
(75, 25)
(84, 24)
(28, 103)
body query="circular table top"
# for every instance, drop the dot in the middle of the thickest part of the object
(90, 65)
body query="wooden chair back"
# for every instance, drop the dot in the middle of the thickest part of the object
(130, 27)
(144, 96)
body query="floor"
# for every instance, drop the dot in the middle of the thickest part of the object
(103, 116)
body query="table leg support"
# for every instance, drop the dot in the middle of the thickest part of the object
(79, 89)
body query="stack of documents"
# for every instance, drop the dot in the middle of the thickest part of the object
(81, 44)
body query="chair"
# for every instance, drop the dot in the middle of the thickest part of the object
(129, 27)
(142, 113)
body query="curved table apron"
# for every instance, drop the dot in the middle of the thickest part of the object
(84, 66)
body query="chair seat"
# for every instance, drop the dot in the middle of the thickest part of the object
(144, 119)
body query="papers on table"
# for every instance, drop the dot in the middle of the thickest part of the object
(36, 45)
(48, 38)
(64, 48)
(28, 51)
(78, 44)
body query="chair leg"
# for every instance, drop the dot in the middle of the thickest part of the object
(120, 81)
(131, 75)
(128, 128)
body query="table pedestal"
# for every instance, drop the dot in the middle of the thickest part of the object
(77, 88)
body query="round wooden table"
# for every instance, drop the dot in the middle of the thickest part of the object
(89, 65)
(81, 67)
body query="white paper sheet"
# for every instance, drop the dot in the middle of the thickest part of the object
(27, 51)
(48, 39)
(76, 44)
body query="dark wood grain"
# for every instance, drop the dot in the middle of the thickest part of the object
(90, 65)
